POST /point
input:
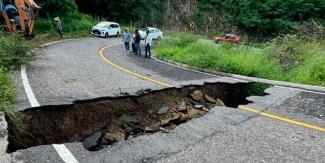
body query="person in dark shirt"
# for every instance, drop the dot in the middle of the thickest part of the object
(137, 42)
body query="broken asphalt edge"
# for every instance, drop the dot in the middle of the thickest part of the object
(4, 156)
(305, 87)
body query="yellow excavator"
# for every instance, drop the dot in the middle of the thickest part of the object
(19, 15)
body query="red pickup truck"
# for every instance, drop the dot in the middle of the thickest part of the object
(231, 38)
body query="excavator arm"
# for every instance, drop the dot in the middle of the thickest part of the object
(28, 10)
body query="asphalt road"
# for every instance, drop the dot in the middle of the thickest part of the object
(74, 70)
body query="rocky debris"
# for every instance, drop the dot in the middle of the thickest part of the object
(143, 91)
(193, 102)
(114, 137)
(163, 110)
(205, 109)
(210, 99)
(182, 106)
(163, 130)
(219, 102)
(148, 129)
(198, 106)
(192, 113)
(197, 95)
(93, 142)
(128, 129)
(166, 121)
(120, 117)
(128, 119)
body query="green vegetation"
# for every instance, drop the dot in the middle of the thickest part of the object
(266, 17)
(293, 60)
(72, 23)
(14, 52)
(7, 91)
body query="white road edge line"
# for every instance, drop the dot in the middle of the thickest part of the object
(64, 153)
(62, 150)
(28, 89)
(196, 71)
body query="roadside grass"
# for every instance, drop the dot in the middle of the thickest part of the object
(295, 61)
(14, 51)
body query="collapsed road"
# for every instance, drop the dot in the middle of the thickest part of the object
(78, 83)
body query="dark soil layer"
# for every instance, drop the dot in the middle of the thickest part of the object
(104, 121)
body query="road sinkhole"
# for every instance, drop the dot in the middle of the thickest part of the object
(101, 122)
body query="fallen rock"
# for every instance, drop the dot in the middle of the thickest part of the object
(128, 119)
(148, 129)
(205, 109)
(197, 95)
(163, 110)
(143, 91)
(184, 117)
(192, 113)
(210, 99)
(198, 106)
(163, 130)
(182, 106)
(219, 102)
(140, 92)
(128, 129)
(114, 137)
(193, 102)
(168, 120)
(93, 142)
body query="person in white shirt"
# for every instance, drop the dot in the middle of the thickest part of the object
(147, 44)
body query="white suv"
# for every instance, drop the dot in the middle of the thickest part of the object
(105, 29)
(155, 33)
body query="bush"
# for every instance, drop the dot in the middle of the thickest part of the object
(296, 61)
(56, 7)
(72, 22)
(14, 51)
(7, 91)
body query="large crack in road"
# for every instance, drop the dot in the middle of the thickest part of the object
(104, 121)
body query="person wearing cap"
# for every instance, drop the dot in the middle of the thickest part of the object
(127, 39)
(59, 28)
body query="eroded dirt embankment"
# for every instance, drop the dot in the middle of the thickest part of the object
(104, 121)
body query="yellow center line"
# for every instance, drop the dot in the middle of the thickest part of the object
(268, 115)
(291, 121)
(128, 71)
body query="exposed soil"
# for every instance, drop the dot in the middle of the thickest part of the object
(104, 121)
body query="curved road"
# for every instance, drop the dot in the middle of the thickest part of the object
(83, 69)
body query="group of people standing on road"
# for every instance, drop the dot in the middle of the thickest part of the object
(136, 40)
